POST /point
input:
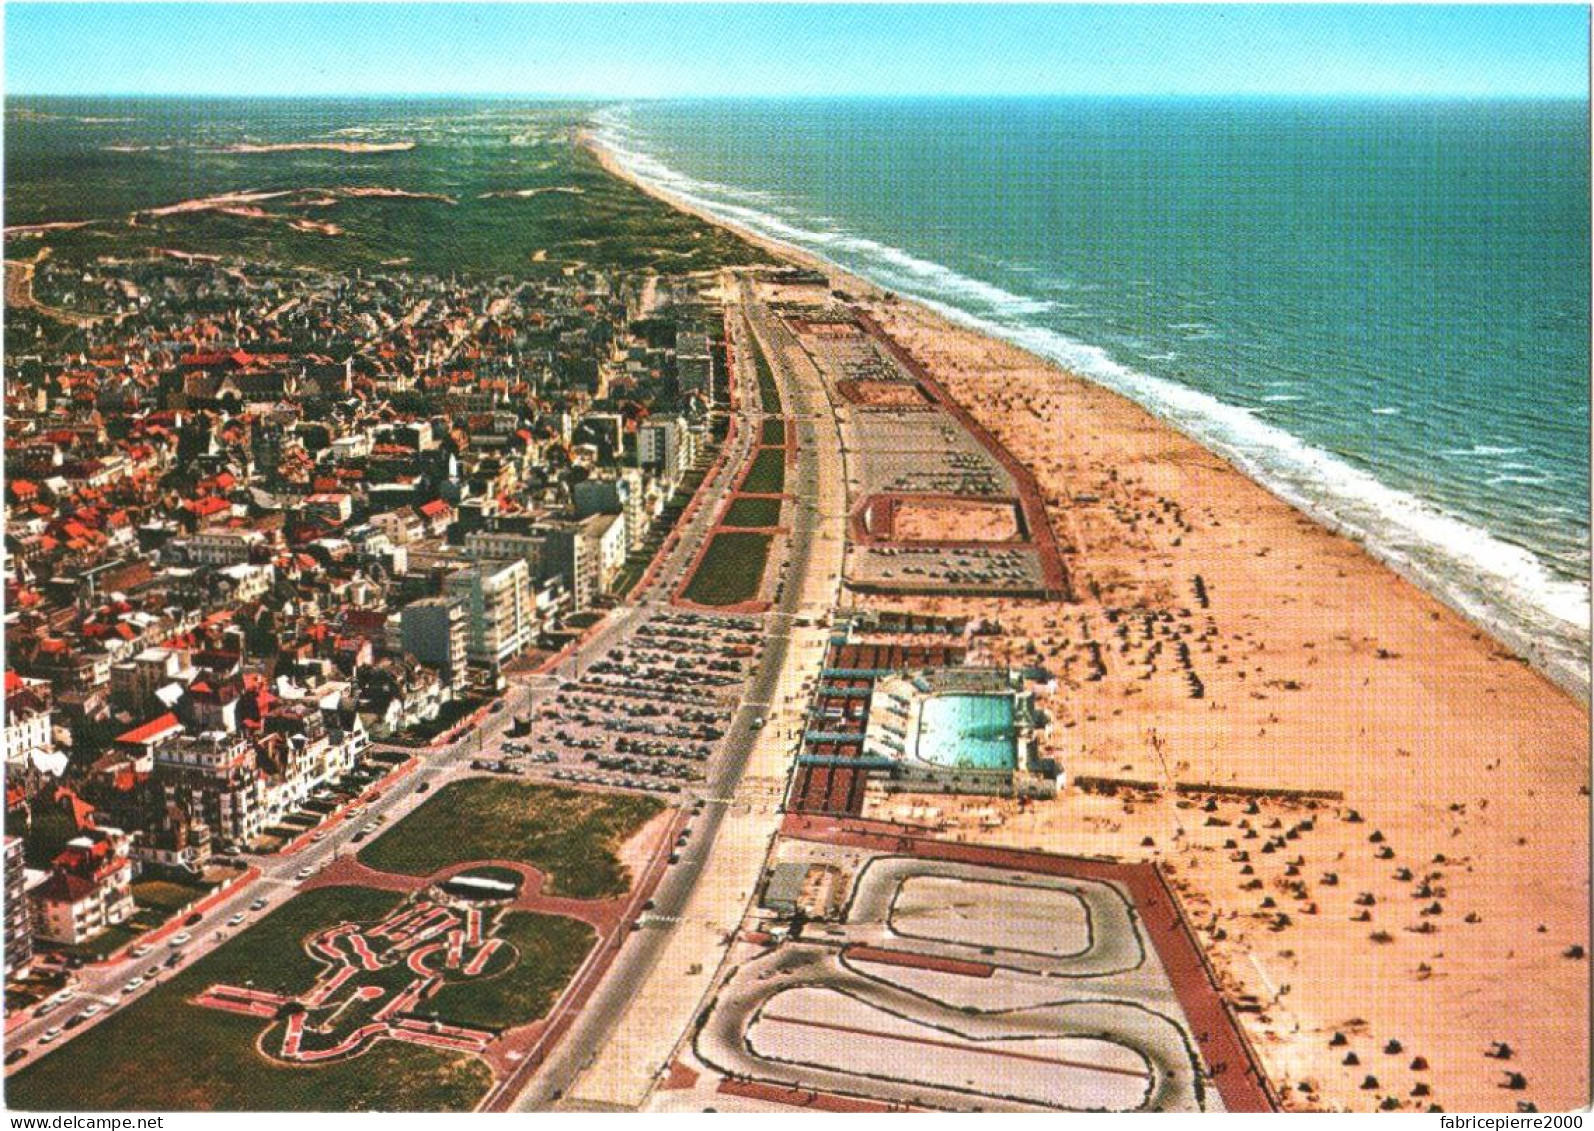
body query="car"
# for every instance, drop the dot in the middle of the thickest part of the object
(133, 986)
(47, 1008)
(153, 971)
(423, 787)
(74, 1021)
(357, 837)
(318, 838)
(139, 951)
(236, 919)
(193, 920)
(304, 873)
(15, 1055)
(172, 960)
(91, 1009)
(180, 939)
(258, 904)
(61, 996)
(49, 1035)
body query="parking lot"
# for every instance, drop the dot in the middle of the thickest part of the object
(649, 712)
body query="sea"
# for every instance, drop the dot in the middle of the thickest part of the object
(1379, 309)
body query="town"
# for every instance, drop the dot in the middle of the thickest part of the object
(271, 532)
(483, 637)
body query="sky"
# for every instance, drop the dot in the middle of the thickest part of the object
(657, 50)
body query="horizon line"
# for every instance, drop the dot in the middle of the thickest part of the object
(879, 96)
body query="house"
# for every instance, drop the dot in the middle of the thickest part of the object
(88, 889)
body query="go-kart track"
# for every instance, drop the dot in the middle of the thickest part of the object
(961, 978)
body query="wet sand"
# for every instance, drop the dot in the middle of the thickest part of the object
(1318, 668)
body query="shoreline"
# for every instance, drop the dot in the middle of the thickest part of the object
(1433, 759)
(1569, 677)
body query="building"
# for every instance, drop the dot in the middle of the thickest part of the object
(623, 495)
(29, 739)
(215, 778)
(567, 553)
(498, 600)
(660, 445)
(221, 547)
(694, 365)
(507, 546)
(604, 535)
(19, 919)
(89, 888)
(134, 682)
(436, 631)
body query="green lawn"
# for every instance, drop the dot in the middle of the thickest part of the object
(167, 895)
(752, 512)
(774, 431)
(161, 1053)
(767, 476)
(732, 569)
(550, 948)
(572, 835)
(768, 392)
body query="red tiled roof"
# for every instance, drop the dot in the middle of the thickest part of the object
(155, 728)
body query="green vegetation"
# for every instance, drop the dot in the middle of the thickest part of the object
(506, 187)
(774, 432)
(167, 895)
(49, 830)
(571, 835)
(752, 512)
(163, 1054)
(768, 392)
(550, 947)
(482, 188)
(732, 569)
(767, 476)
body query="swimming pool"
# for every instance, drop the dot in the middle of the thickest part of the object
(970, 732)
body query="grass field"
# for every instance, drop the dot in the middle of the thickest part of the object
(768, 392)
(774, 431)
(767, 476)
(572, 835)
(752, 512)
(551, 949)
(163, 1054)
(732, 569)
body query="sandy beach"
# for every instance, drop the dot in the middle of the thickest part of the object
(1391, 932)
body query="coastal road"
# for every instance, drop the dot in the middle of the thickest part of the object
(632, 1022)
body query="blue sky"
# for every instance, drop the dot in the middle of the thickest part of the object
(657, 50)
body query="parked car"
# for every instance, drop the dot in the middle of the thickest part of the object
(180, 939)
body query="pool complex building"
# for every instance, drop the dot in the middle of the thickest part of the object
(911, 716)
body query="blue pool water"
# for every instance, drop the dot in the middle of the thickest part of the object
(971, 732)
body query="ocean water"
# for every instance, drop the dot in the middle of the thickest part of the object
(1379, 309)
